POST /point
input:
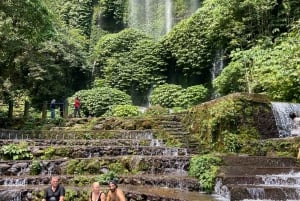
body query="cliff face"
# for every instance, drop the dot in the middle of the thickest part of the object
(232, 119)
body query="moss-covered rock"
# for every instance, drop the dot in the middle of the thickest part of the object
(241, 117)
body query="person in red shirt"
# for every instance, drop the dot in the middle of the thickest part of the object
(77, 107)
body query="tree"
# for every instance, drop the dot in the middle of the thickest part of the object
(271, 68)
(23, 26)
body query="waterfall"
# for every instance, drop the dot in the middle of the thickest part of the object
(281, 113)
(194, 5)
(217, 67)
(169, 15)
(218, 64)
(148, 15)
(156, 17)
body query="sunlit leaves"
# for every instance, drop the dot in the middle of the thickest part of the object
(273, 70)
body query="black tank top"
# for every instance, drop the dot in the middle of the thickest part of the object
(99, 198)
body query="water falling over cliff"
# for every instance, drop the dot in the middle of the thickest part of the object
(157, 17)
(281, 112)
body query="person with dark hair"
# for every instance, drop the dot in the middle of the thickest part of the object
(115, 193)
(96, 194)
(55, 192)
(52, 108)
(295, 130)
(77, 107)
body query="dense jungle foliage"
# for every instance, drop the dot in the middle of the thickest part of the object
(53, 49)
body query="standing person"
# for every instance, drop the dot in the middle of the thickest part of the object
(52, 108)
(295, 130)
(55, 192)
(96, 194)
(115, 193)
(77, 107)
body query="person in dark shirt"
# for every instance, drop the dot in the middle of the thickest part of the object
(55, 192)
(52, 108)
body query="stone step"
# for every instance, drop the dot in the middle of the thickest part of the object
(99, 151)
(85, 142)
(132, 192)
(278, 180)
(179, 181)
(98, 165)
(256, 170)
(175, 180)
(241, 192)
(75, 135)
(262, 161)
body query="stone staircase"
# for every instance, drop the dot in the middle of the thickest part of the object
(174, 127)
(154, 171)
(259, 178)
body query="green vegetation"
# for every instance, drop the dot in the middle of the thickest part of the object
(123, 111)
(171, 95)
(205, 168)
(97, 101)
(67, 48)
(66, 45)
(35, 167)
(16, 151)
(264, 68)
(227, 122)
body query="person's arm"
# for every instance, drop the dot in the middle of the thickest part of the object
(108, 197)
(121, 195)
(45, 195)
(102, 197)
(62, 193)
(61, 198)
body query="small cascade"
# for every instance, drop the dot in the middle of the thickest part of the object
(15, 182)
(10, 195)
(281, 113)
(156, 143)
(256, 193)
(221, 190)
(287, 180)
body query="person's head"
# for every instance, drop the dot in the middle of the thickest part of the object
(96, 187)
(292, 115)
(54, 181)
(113, 185)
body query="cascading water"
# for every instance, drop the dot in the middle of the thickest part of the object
(10, 195)
(194, 5)
(156, 17)
(169, 15)
(281, 112)
(218, 64)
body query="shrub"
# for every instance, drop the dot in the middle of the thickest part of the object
(106, 177)
(16, 151)
(191, 96)
(171, 95)
(165, 95)
(123, 111)
(155, 111)
(205, 168)
(97, 101)
(35, 167)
